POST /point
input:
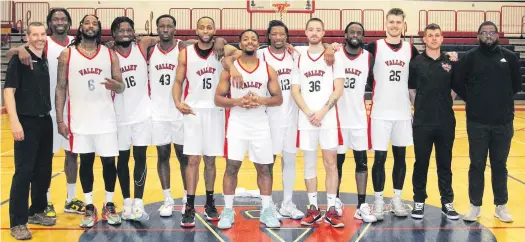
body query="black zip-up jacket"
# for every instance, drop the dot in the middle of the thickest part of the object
(487, 81)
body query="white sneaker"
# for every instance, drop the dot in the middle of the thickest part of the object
(339, 206)
(503, 214)
(139, 214)
(364, 213)
(291, 211)
(379, 206)
(398, 207)
(127, 213)
(166, 210)
(277, 215)
(473, 214)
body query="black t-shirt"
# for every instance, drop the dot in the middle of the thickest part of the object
(432, 81)
(32, 86)
(203, 53)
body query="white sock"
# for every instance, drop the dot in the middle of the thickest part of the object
(138, 201)
(89, 198)
(378, 196)
(312, 198)
(397, 193)
(167, 194)
(71, 191)
(48, 196)
(109, 197)
(228, 201)
(185, 198)
(288, 164)
(266, 201)
(330, 198)
(128, 202)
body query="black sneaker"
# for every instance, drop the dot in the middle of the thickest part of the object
(210, 212)
(449, 211)
(188, 218)
(418, 211)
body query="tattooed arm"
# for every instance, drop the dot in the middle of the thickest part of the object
(61, 91)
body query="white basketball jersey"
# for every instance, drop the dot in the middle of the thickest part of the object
(162, 70)
(286, 114)
(91, 108)
(390, 99)
(202, 75)
(317, 84)
(253, 123)
(133, 105)
(352, 105)
(53, 50)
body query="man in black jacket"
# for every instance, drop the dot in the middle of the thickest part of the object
(487, 78)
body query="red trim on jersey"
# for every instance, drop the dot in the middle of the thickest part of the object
(124, 54)
(170, 49)
(370, 117)
(142, 52)
(178, 44)
(314, 60)
(227, 117)
(267, 71)
(89, 58)
(151, 51)
(71, 137)
(353, 58)
(339, 133)
(264, 56)
(187, 88)
(58, 43)
(386, 43)
(275, 57)
(196, 52)
(299, 62)
(249, 72)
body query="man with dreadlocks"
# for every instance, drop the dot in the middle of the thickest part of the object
(59, 22)
(90, 72)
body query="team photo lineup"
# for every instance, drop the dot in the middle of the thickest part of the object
(205, 98)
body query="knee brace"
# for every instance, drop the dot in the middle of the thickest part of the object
(360, 161)
(310, 164)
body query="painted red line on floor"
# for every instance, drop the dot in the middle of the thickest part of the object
(462, 108)
(120, 229)
(451, 228)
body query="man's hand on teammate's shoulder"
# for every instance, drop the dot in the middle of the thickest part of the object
(336, 46)
(218, 47)
(290, 48)
(184, 108)
(110, 44)
(112, 84)
(329, 56)
(453, 56)
(25, 57)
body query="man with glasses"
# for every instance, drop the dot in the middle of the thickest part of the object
(487, 78)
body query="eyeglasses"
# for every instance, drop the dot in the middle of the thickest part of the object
(488, 33)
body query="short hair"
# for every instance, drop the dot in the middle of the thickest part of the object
(313, 20)
(396, 12)
(431, 27)
(201, 18)
(352, 23)
(34, 24)
(276, 23)
(166, 16)
(118, 20)
(487, 23)
(248, 30)
(53, 11)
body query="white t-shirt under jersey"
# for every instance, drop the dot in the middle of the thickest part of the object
(390, 99)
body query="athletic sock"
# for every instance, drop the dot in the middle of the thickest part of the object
(228, 201)
(330, 198)
(312, 198)
(265, 201)
(48, 196)
(128, 202)
(88, 197)
(397, 193)
(209, 198)
(167, 194)
(109, 197)
(360, 200)
(289, 171)
(185, 198)
(378, 196)
(191, 200)
(71, 191)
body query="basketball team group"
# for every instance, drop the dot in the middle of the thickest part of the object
(211, 99)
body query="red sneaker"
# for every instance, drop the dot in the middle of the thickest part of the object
(333, 218)
(313, 214)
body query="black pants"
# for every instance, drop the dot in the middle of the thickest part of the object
(442, 137)
(33, 157)
(494, 140)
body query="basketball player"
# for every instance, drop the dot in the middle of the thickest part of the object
(133, 114)
(358, 65)
(316, 88)
(391, 116)
(252, 127)
(59, 22)
(89, 72)
(167, 122)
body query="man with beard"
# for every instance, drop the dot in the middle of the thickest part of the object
(487, 78)
(251, 127)
(59, 22)
(358, 65)
(89, 73)
(133, 114)
(316, 88)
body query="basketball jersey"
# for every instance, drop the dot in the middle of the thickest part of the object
(91, 108)
(162, 71)
(202, 76)
(133, 105)
(390, 99)
(352, 104)
(286, 114)
(252, 123)
(317, 84)
(53, 50)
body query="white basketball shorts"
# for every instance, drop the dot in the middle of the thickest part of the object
(104, 145)
(204, 132)
(138, 134)
(58, 140)
(167, 132)
(259, 151)
(399, 132)
(355, 139)
(328, 139)
(284, 139)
